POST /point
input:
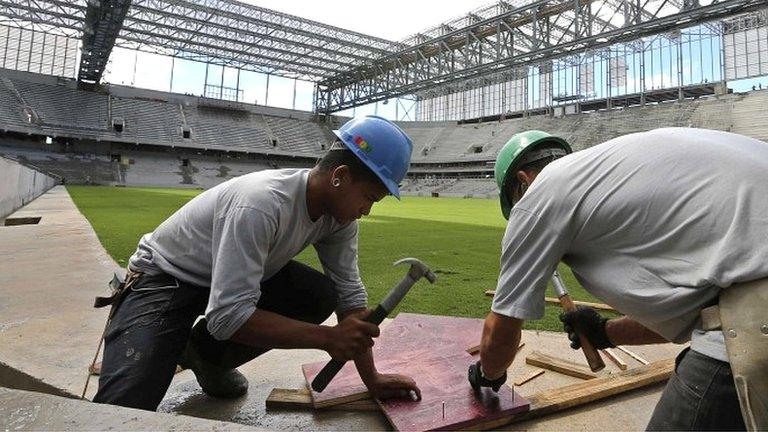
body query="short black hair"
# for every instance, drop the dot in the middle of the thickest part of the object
(340, 155)
(532, 167)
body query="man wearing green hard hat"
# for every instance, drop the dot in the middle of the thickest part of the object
(669, 228)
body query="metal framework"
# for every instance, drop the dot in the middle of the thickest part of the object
(533, 33)
(221, 32)
(493, 44)
(103, 21)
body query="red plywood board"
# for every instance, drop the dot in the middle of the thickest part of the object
(432, 350)
(404, 337)
(442, 377)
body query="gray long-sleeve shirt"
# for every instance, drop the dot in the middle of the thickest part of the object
(655, 224)
(243, 231)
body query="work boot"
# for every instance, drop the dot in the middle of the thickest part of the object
(216, 381)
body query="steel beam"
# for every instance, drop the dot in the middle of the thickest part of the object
(412, 70)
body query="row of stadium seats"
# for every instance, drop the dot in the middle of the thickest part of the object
(450, 187)
(447, 141)
(36, 105)
(33, 105)
(139, 168)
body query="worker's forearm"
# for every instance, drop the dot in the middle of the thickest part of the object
(364, 362)
(501, 337)
(270, 330)
(366, 367)
(626, 331)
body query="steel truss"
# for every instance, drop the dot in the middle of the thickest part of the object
(499, 45)
(103, 21)
(222, 32)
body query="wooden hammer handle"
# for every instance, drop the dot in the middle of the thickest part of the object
(593, 357)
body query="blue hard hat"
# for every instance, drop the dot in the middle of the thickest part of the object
(381, 145)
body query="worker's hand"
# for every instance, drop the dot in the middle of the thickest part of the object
(585, 320)
(350, 338)
(385, 386)
(478, 380)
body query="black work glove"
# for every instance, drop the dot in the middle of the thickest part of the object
(587, 321)
(477, 380)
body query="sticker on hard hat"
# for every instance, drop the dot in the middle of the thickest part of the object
(362, 144)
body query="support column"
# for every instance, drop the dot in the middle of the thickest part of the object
(266, 92)
(642, 76)
(609, 75)
(173, 66)
(680, 94)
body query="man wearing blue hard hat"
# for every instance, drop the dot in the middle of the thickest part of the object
(228, 255)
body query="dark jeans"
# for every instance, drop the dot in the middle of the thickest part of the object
(152, 327)
(700, 395)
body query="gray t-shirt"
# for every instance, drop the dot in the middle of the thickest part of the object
(655, 224)
(243, 231)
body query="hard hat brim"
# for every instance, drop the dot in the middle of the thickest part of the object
(506, 207)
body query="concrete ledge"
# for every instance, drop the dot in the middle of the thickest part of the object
(49, 275)
(30, 411)
(19, 185)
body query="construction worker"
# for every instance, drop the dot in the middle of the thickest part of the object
(228, 255)
(660, 225)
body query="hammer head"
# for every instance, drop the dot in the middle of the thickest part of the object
(418, 269)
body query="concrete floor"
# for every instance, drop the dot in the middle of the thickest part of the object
(32, 411)
(48, 332)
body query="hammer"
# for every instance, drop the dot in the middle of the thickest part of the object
(417, 271)
(593, 357)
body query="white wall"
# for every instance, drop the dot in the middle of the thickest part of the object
(19, 185)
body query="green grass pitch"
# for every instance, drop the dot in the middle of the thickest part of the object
(460, 239)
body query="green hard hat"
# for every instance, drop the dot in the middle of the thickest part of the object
(513, 155)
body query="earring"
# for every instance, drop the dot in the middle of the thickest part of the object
(336, 182)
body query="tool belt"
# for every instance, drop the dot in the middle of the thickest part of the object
(119, 288)
(742, 315)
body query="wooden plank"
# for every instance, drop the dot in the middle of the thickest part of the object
(393, 349)
(559, 399)
(476, 349)
(556, 301)
(612, 356)
(345, 387)
(599, 306)
(524, 378)
(565, 367)
(633, 355)
(289, 398)
(302, 399)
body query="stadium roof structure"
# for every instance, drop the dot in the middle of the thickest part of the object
(350, 69)
(494, 42)
(223, 32)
